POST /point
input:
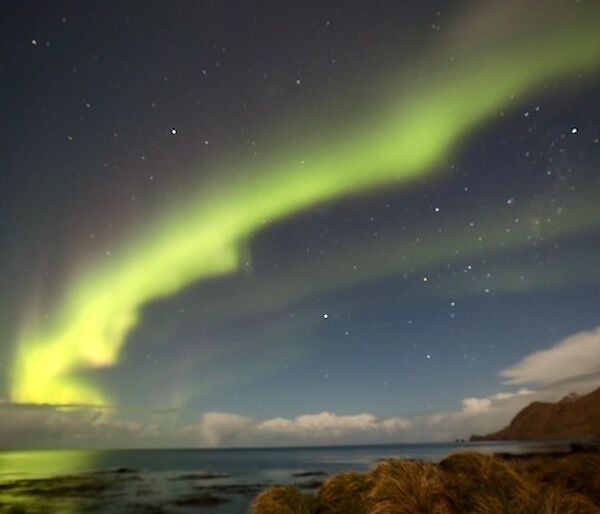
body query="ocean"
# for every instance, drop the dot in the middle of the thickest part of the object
(220, 481)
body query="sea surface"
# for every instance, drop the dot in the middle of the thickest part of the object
(185, 481)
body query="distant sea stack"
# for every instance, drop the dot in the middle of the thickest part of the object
(573, 417)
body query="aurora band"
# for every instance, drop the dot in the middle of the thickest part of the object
(411, 135)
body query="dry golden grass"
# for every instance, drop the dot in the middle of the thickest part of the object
(482, 483)
(462, 483)
(555, 500)
(283, 500)
(408, 487)
(345, 493)
(578, 473)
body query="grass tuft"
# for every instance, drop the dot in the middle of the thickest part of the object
(555, 500)
(578, 473)
(283, 499)
(483, 483)
(345, 493)
(408, 487)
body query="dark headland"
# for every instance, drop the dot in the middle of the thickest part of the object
(573, 418)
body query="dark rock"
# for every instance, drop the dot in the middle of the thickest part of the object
(120, 471)
(201, 500)
(204, 475)
(244, 489)
(579, 447)
(145, 508)
(310, 474)
(125, 470)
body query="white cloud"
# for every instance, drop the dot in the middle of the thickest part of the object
(476, 405)
(577, 356)
(217, 427)
(276, 425)
(479, 405)
(324, 425)
(396, 425)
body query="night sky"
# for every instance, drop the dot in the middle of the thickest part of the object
(272, 222)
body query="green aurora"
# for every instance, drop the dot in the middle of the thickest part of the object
(399, 253)
(203, 237)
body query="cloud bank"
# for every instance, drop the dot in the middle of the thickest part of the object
(49, 426)
(219, 429)
(576, 357)
(571, 364)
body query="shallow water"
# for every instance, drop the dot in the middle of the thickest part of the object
(163, 481)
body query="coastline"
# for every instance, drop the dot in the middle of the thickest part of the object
(227, 481)
(464, 482)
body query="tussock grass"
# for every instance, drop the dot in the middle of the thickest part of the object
(408, 487)
(345, 493)
(578, 473)
(482, 483)
(555, 500)
(462, 483)
(283, 499)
